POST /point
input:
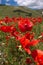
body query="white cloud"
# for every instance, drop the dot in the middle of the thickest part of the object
(7, 3)
(7, 0)
(37, 4)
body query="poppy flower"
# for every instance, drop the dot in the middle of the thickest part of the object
(39, 19)
(34, 42)
(14, 19)
(37, 55)
(7, 28)
(29, 35)
(25, 25)
(28, 61)
(20, 18)
(7, 19)
(34, 20)
(16, 35)
(42, 34)
(7, 37)
(3, 28)
(25, 44)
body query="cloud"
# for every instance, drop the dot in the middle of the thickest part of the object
(7, 0)
(7, 3)
(35, 4)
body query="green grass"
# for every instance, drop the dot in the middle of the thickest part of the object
(17, 11)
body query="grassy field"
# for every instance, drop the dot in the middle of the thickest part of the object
(18, 11)
(10, 55)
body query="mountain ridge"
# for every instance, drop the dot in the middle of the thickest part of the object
(18, 11)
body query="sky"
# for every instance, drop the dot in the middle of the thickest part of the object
(34, 4)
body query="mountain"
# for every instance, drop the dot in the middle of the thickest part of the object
(18, 11)
(40, 11)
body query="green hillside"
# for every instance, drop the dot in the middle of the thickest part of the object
(17, 11)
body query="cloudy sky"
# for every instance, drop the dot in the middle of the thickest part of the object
(34, 4)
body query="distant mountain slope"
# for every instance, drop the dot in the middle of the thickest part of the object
(40, 11)
(17, 11)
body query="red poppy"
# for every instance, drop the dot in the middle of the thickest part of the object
(34, 42)
(29, 35)
(42, 34)
(1, 21)
(37, 56)
(25, 44)
(34, 20)
(7, 19)
(16, 35)
(7, 37)
(39, 19)
(28, 61)
(25, 25)
(3, 28)
(7, 28)
(14, 19)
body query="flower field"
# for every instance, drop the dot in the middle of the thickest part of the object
(21, 41)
